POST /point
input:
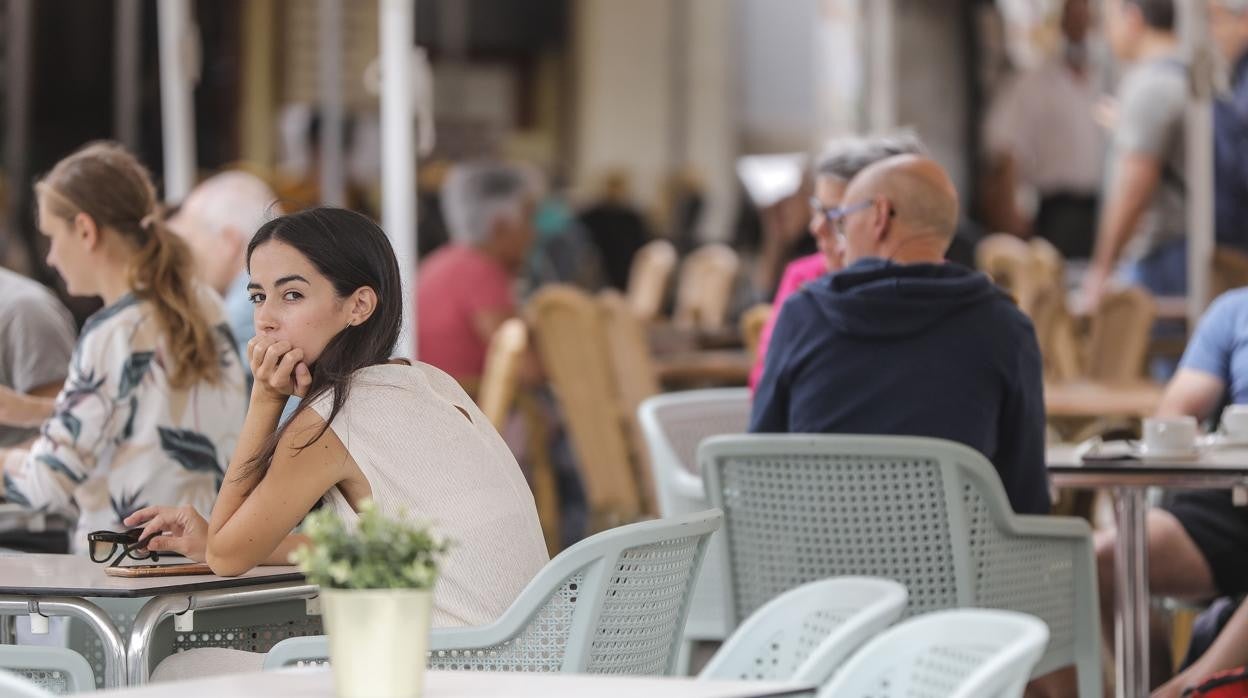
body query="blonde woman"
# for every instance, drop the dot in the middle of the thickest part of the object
(155, 396)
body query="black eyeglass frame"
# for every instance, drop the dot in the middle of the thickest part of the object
(132, 546)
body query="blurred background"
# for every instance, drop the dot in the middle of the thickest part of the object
(660, 98)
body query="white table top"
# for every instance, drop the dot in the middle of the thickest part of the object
(318, 683)
(76, 575)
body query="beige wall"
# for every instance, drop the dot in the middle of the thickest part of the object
(626, 115)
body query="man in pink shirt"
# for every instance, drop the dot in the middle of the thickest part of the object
(842, 160)
(465, 289)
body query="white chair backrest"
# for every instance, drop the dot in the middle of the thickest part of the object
(963, 653)
(38, 671)
(14, 686)
(804, 634)
(928, 513)
(673, 424)
(615, 603)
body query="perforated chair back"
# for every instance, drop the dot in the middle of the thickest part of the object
(673, 424)
(928, 513)
(805, 634)
(615, 603)
(43, 671)
(964, 653)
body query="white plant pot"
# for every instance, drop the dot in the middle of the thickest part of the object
(378, 639)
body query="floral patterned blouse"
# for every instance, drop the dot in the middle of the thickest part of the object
(121, 438)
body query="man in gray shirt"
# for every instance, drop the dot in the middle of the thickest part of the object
(1144, 218)
(36, 343)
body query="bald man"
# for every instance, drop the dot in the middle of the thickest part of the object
(900, 342)
(217, 220)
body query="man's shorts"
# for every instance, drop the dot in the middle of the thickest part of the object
(1220, 531)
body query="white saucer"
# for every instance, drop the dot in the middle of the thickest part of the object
(1147, 454)
(1221, 440)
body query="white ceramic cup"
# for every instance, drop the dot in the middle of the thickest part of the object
(1235, 421)
(1170, 435)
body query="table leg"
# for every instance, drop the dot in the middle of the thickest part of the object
(8, 630)
(1131, 583)
(89, 613)
(158, 608)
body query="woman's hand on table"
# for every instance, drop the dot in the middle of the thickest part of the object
(173, 529)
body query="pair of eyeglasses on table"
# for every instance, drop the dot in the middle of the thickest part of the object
(103, 545)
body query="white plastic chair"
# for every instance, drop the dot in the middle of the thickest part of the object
(929, 513)
(614, 603)
(673, 424)
(43, 671)
(963, 653)
(803, 635)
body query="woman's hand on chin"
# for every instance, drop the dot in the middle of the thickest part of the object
(279, 369)
(173, 529)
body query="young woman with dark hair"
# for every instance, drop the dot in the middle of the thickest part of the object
(328, 302)
(155, 395)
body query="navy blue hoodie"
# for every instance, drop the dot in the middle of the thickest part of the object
(911, 349)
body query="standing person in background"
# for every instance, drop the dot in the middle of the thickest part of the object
(1228, 24)
(1144, 218)
(154, 401)
(841, 162)
(465, 288)
(36, 342)
(217, 220)
(1041, 133)
(617, 229)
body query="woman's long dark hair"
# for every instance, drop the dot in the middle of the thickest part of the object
(352, 252)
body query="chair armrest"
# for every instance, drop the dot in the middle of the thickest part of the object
(1050, 526)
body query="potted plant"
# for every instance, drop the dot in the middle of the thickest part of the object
(376, 582)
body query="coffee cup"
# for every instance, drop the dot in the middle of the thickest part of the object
(1235, 421)
(1170, 435)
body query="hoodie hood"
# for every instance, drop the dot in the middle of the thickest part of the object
(876, 298)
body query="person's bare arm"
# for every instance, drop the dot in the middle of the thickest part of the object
(255, 513)
(1228, 651)
(1192, 393)
(1132, 189)
(30, 409)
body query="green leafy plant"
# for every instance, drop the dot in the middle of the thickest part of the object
(379, 553)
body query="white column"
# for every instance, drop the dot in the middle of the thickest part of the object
(398, 153)
(179, 71)
(1200, 224)
(127, 47)
(333, 169)
(880, 32)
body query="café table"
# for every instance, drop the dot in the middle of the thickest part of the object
(319, 683)
(1128, 482)
(42, 585)
(723, 367)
